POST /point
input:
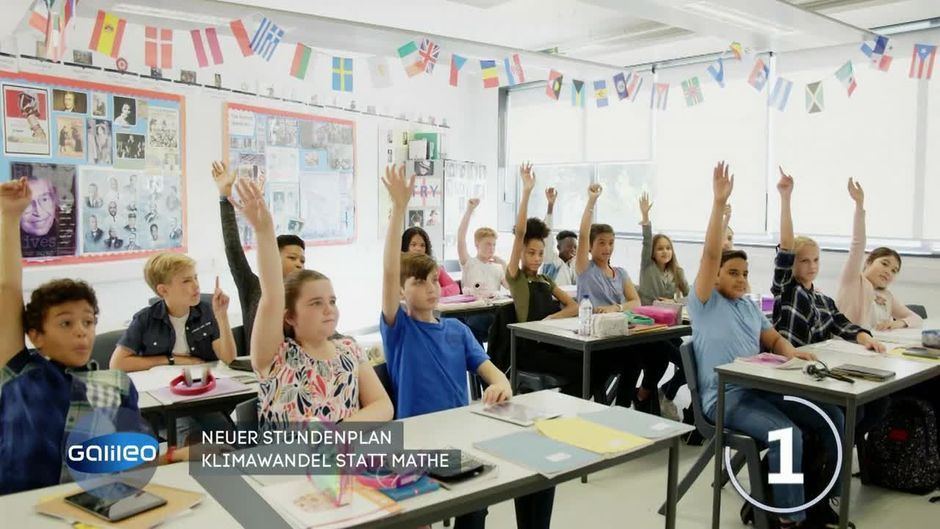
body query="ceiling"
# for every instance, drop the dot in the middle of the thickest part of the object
(586, 34)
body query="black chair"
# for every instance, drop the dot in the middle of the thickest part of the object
(381, 370)
(246, 415)
(241, 347)
(497, 347)
(920, 310)
(746, 447)
(104, 347)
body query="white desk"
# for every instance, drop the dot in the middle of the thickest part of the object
(457, 310)
(848, 395)
(458, 428)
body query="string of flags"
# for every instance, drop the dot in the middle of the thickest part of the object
(52, 17)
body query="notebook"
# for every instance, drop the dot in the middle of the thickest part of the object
(863, 372)
(638, 423)
(515, 413)
(538, 453)
(592, 436)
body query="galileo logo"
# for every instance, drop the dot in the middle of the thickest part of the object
(114, 452)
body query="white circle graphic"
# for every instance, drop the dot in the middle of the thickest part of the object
(788, 510)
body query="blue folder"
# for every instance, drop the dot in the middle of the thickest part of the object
(538, 453)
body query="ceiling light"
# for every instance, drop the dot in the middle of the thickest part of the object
(156, 12)
(734, 17)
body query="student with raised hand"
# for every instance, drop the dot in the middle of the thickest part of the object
(305, 374)
(725, 326)
(802, 314)
(727, 241)
(290, 247)
(863, 289)
(416, 240)
(559, 260)
(661, 277)
(482, 273)
(180, 328)
(428, 359)
(610, 289)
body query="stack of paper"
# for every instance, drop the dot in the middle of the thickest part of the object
(592, 436)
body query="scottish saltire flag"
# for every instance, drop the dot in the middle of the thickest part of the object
(379, 72)
(659, 96)
(514, 71)
(429, 52)
(717, 71)
(410, 59)
(342, 74)
(620, 85)
(846, 74)
(577, 93)
(456, 63)
(814, 97)
(692, 90)
(780, 94)
(922, 61)
(634, 83)
(266, 39)
(600, 93)
(759, 75)
(489, 73)
(553, 86)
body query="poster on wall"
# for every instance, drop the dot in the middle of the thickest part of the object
(393, 149)
(25, 120)
(104, 164)
(308, 164)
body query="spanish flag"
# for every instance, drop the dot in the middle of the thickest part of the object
(108, 33)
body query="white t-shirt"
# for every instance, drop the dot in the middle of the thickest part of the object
(181, 347)
(480, 277)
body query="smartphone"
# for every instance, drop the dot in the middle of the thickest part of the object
(115, 501)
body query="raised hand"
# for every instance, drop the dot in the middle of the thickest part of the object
(251, 204)
(528, 176)
(645, 205)
(722, 182)
(472, 204)
(856, 192)
(399, 187)
(219, 300)
(551, 194)
(224, 180)
(785, 184)
(727, 213)
(594, 191)
(15, 196)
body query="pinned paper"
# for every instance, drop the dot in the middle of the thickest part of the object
(659, 96)
(780, 94)
(759, 75)
(922, 61)
(814, 97)
(692, 90)
(846, 74)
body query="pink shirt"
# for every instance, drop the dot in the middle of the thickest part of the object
(856, 293)
(449, 287)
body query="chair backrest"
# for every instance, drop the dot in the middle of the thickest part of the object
(241, 348)
(381, 370)
(497, 341)
(690, 366)
(104, 347)
(920, 310)
(246, 415)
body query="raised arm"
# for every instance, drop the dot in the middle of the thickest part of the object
(399, 189)
(785, 188)
(518, 244)
(551, 252)
(224, 345)
(582, 259)
(462, 253)
(646, 254)
(234, 253)
(267, 333)
(722, 184)
(14, 197)
(851, 274)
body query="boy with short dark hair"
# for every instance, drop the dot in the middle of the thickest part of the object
(560, 250)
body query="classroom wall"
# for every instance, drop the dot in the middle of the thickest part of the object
(355, 269)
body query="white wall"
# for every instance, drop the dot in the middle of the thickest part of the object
(355, 268)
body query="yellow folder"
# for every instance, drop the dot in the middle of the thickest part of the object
(591, 436)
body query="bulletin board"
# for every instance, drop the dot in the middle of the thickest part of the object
(104, 164)
(309, 166)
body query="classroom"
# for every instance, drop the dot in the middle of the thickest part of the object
(470, 263)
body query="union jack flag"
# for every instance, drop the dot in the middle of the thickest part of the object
(429, 53)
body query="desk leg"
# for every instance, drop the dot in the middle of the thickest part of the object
(586, 372)
(848, 444)
(672, 493)
(513, 375)
(719, 459)
(170, 419)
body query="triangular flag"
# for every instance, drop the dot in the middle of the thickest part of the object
(429, 53)
(814, 97)
(600, 93)
(300, 65)
(717, 71)
(759, 75)
(490, 74)
(514, 72)
(922, 61)
(780, 94)
(266, 38)
(241, 36)
(206, 38)
(108, 33)
(456, 63)
(342, 74)
(846, 74)
(410, 59)
(692, 90)
(577, 93)
(659, 96)
(553, 86)
(620, 85)
(158, 47)
(379, 72)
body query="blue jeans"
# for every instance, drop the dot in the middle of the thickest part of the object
(755, 413)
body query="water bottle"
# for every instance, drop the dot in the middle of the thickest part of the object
(585, 313)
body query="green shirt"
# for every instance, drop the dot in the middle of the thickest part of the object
(519, 289)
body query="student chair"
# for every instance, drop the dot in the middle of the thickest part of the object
(381, 370)
(104, 347)
(241, 348)
(246, 415)
(747, 448)
(497, 347)
(920, 310)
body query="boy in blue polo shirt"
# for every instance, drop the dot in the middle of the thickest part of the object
(725, 326)
(428, 359)
(180, 328)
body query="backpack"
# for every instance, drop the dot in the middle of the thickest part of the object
(901, 451)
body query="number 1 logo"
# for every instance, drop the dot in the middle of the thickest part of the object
(786, 476)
